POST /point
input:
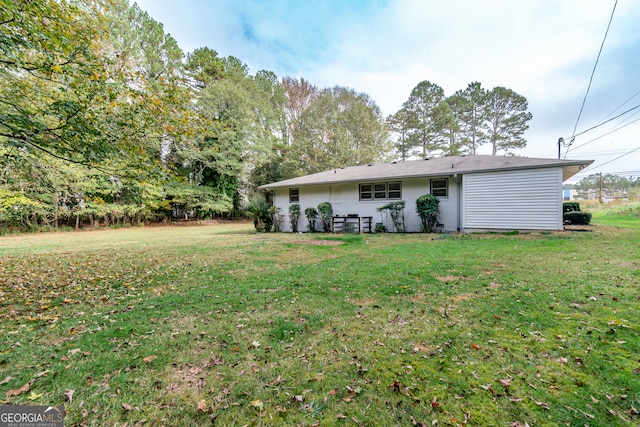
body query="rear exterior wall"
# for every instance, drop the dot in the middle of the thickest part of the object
(345, 199)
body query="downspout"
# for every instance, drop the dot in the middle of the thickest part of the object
(459, 219)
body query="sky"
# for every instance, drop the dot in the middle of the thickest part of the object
(545, 50)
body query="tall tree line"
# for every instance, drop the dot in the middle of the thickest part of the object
(105, 120)
(431, 124)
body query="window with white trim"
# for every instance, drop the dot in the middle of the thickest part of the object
(440, 187)
(381, 191)
(294, 195)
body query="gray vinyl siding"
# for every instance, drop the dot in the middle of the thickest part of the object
(514, 200)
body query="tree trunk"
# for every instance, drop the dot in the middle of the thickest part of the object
(56, 205)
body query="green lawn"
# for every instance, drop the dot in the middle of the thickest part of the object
(217, 324)
(627, 216)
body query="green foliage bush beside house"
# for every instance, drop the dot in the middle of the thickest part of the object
(573, 215)
(428, 208)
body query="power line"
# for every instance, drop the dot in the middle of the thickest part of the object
(601, 136)
(617, 158)
(621, 105)
(573, 134)
(606, 121)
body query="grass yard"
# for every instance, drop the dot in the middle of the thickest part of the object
(202, 325)
(624, 215)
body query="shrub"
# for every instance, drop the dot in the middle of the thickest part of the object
(257, 208)
(428, 208)
(396, 210)
(276, 218)
(312, 216)
(570, 207)
(294, 216)
(577, 218)
(326, 213)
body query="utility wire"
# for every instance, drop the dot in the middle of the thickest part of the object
(601, 136)
(606, 121)
(621, 105)
(573, 135)
(619, 157)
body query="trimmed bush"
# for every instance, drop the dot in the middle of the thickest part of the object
(294, 216)
(577, 218)
(428, 209)
(570, 207)
(326, 214)
(312, 215)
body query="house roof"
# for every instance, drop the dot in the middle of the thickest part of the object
(441, 166)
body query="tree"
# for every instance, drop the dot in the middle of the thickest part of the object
(298, 93)
(429, 117)
(52, 80)
(205, 67)
(340, 127)
(399, 125)
(507, 117)
(469, 108)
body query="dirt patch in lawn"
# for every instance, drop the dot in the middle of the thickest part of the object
(452, 278)
(365, 302)
(321, 242)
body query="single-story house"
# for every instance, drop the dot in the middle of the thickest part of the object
(476, 192)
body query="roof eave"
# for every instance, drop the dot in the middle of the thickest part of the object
(569, 168)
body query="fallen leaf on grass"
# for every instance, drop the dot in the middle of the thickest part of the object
(435, 403)
(34, 395)
(68, 395)
(6, 380)
(127, 407)
(395, 387)
(505, 383)
(542, 404)
(475, 346)
(487, 387)
(41, 374)
(202, 406)
(149, 359)
(102, 389)
(18, 391)
(257, 404)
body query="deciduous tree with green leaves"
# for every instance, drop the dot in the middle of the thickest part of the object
(340, 127)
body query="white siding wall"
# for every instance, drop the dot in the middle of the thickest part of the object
(518, 200)
(345, 200)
